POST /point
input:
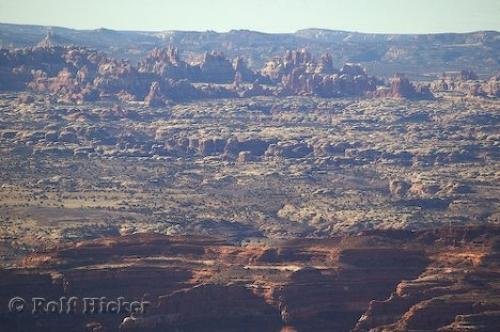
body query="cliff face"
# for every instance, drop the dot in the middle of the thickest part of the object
(204, 284)
(456, 292)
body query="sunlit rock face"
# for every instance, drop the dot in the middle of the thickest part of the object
(401, 87)
(299, 73)
(376, 280)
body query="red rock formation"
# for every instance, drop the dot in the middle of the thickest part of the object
(300, 74)
(325, 65)
(166, 63)
(289, 149)
(281, 66)
(254, 90)
(401, 87)
(76, 74)
(492, 86)
(240, 67)
(451, 292)
(215, 68)
(199, 282)
(154, 97)
(467, 83)
(254, 147)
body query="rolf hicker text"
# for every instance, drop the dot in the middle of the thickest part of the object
(73, 305)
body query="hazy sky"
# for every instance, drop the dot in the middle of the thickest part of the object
(397, 16)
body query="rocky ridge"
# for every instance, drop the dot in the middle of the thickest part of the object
(77, 75)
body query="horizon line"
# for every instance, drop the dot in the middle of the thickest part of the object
(245, 29)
